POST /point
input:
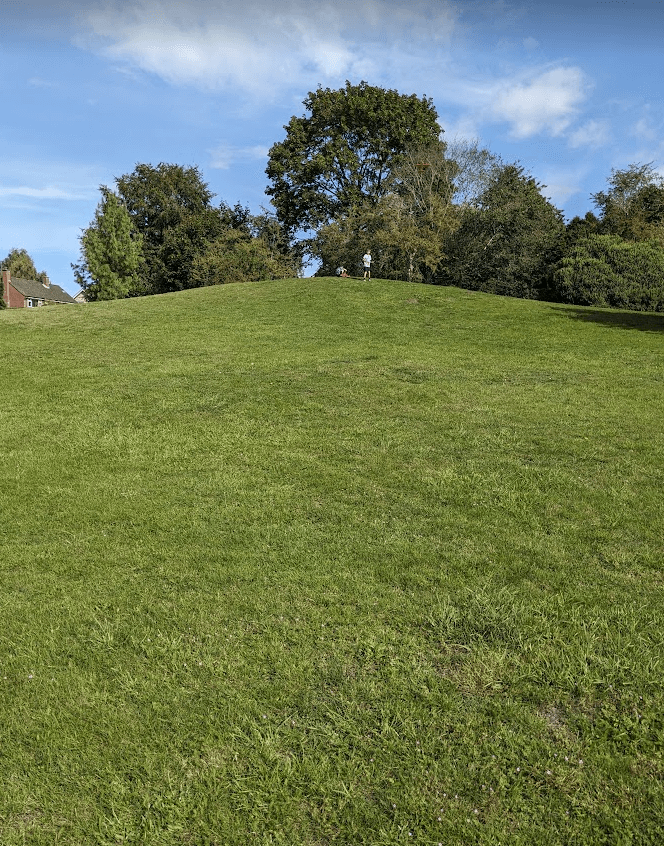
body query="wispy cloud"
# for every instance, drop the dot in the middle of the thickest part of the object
(225, 155)
(38, 82)
(50, 192)
(531, 101)
(562, 183)
(594, 133)
(259, 46)
(548, 102)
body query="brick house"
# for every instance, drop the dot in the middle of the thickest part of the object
(26, 293)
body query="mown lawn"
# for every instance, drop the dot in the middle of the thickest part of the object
(331, 562)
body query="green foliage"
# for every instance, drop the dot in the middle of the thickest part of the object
(423, 176)
(111, 252)
(506, 239)
(19, 263)
(580, 227)
(402, 245)
(475, 168)
(344, 241)
(408, 227)
(605, 270)
(236, 257)
(338, 157)
(161, 233)
(275, 237)
(633, 206)
(410, 240)
(418, 212)
(171, 208)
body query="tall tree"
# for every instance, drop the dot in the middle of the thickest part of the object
(506, 239)
(431, 184)
(111, 252)
(339, 155)
(633, 205)
(267, 227)
(405, 237)
(19, 263)
(171, 207)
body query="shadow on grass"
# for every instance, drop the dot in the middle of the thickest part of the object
(644, 321)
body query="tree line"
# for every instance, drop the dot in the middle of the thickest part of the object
(159, 231)
(367, 168)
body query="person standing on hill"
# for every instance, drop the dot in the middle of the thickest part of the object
(366, 258)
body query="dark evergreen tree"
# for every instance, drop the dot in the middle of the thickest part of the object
(171, 208)
(507, 238)
(608, 271)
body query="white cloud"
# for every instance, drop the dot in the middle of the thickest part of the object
(534, 101)
(463, 129)
(38, 82)
(545, 103)
(50, 192)
(594, 133)
(223, 156)
(559, 188)
(260, 46)
(644, 130)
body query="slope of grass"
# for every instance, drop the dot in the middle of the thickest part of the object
(327, 561)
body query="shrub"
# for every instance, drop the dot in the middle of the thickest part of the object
(605, 270)
(236, 257)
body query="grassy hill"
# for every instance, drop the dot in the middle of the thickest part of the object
(331, 562)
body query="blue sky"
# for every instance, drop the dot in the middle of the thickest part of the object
(88, 90)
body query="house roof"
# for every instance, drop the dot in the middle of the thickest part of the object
(30, 288)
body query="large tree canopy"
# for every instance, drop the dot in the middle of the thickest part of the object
(407, 229)
(339, 156)
(171, 208)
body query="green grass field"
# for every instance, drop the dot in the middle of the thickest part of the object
(331, 562)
